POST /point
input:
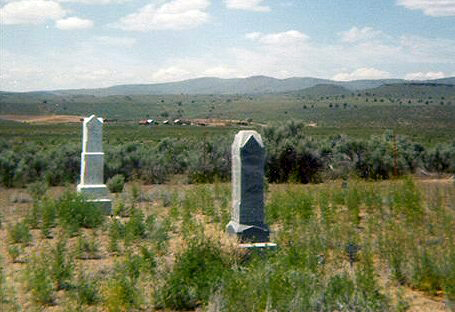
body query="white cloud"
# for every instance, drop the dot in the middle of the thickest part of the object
(172, 73)
(219, 71)
(430, 7)
(356, 34)
(283, 38)
(30, 12)
(175, 15)
(362, 73)
(425, 76)
(72, 23)
(95, 2)
(248, 5)
(116, 41)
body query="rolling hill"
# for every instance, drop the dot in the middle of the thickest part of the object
(252, 85)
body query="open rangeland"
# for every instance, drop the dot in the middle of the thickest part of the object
(368, 246)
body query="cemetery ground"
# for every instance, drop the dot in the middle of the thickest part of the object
(373, 246)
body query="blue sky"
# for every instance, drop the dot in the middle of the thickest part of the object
(55, 44)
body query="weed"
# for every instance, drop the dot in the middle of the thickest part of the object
(37, 189)
(2, 284)
(49, 216)
(353, 202)
(87, 249)
(33, 218)
(196, 274)
(427, 275)
(86, 289)
(116, 183)
(39, 281)
(14, 252)
(148, 264)
(121, 294)
(20, 233)
(75, 212)
(62, 265)
(135, 227)
(116, 232)
(120, 208)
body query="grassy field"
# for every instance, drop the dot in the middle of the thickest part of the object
(440, 130)
(378, 246)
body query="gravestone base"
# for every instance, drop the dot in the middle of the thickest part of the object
(249, 233)
(97, 194)
(258, 246)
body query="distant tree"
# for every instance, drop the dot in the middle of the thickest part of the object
(164, 114)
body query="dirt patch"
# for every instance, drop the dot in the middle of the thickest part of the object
(43, 119)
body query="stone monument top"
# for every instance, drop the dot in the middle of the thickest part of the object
(92, 136)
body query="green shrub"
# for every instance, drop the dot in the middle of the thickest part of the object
(33, 217)
(158, 232)
(196, 274)
(2, 284)
(14, 252)
(39, 280)
(20, 233)
(87, 249)
(121, 293)
(135, 227)
(49, 216)
(37, 189)
(75, 212)
(116, 232)
(86, 289)
(61, 265)
(116, 183)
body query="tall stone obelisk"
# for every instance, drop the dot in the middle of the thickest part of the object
(248, 159)
(92, 164)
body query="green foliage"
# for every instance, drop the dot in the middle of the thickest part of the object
(61, 265)
(87, 249)
(20, 233)
(14, 252)
(86, 289)
(37, 189)
(116, 232)
(135, 227)
(49, 216)
(2, 283)
(196, 274)
(116, 183)
(39, 280)
(121, 293)
(75, 212)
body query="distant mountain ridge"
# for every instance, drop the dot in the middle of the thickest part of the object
(250, 85)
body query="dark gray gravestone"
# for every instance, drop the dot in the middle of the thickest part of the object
(247, 219)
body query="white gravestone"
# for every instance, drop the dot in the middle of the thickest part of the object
(248, 158)
(92, 164)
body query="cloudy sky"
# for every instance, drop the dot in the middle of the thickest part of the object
(55, 44)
